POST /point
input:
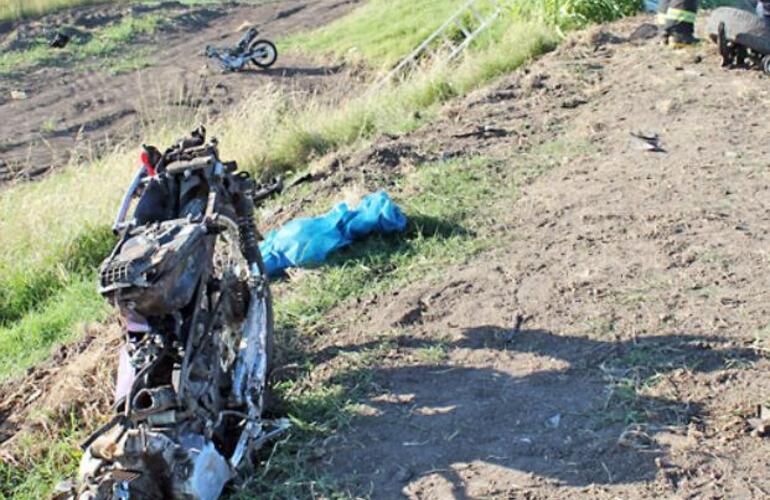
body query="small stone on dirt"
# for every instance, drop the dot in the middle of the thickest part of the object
(403, 474)
(645, 141)
(644, 31)
(18, 95)
(760, 425)
(554, 421)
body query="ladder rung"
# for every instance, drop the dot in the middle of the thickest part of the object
(466, 33)
(448, 46)
(409, 63)
(476, 14)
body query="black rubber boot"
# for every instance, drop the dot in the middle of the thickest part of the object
(677, 18)
(681, 40)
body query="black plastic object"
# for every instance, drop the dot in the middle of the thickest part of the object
(157, 268)
(60, 40)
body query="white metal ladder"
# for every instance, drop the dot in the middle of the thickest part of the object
(448, 49)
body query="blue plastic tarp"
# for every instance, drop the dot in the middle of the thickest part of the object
(310, 240)
(651, 5)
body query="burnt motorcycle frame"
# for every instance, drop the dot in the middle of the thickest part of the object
(184, 425)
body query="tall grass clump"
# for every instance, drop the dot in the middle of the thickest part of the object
(310, 130)
(571, 14)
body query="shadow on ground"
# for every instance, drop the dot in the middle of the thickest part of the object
(294, 71)
(546, 407)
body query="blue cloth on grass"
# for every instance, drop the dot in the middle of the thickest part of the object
(309, 240)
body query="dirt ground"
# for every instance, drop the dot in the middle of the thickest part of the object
(614, 345)
(75, 111)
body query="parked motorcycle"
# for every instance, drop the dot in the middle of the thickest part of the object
(262, 53)
(189, 281)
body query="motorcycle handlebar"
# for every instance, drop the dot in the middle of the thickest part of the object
(190, 143)
(185, 148)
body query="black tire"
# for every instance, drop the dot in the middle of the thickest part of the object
(741, 27)
(725, 49)
(267, 53)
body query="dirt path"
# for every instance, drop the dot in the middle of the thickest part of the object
(75, 112)
(612, 345)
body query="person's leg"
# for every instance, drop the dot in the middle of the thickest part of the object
(662, 20)
(680, 21)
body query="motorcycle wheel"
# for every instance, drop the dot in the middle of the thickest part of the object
(265, 53)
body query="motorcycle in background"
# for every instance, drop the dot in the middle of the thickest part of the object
(260, 52)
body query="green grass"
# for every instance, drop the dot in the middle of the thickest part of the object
(379, 32)
(128, 64)
(30, 340)
(43, 471)
(310, 133)
(111, 44)
(49, 125)
(442, 199)
(571, 14)
(23, 289)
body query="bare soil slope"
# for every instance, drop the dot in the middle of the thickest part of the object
(613, 344)
(75, 110)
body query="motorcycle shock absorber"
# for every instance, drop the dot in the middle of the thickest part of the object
(248, 232)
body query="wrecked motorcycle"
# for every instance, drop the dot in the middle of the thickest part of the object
(262, 53)
(743, 37)
(189, 281)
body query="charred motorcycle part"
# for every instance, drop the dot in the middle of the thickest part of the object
(155, 400)
(198, 319)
